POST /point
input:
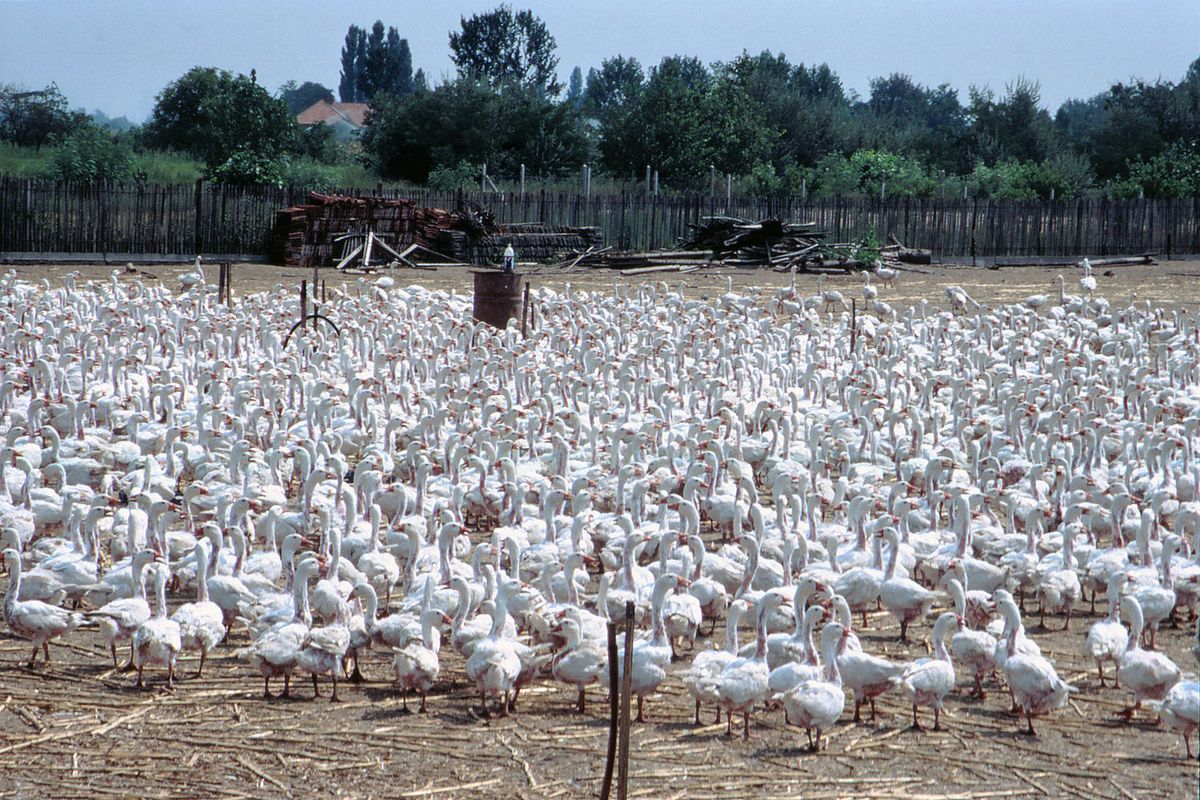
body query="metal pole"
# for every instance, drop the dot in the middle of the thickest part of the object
(853, 323)
(712, 180)
(728, 191)
(303, 300)
(525, 311)
(656, 183)
(522, 180)
(614, 706)
(626, 691)
(647, 179)
(314, 295)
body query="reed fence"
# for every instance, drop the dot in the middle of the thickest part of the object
(111, 218)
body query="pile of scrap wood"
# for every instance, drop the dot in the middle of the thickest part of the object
(768, 243)
(347, 231)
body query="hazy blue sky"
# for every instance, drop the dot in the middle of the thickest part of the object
(115, 56)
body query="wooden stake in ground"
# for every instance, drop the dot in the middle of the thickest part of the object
(626, 691)
(614, 704)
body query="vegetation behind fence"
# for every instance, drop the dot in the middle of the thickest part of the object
(50, 217)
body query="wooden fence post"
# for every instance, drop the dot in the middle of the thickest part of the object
(626, 691)
(197, 232)
(614, 706)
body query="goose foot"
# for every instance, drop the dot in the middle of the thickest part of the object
(422, 709)
(287, 687)
(316, 689)
(640, 716)
(698, 713)
(266, 695)
(334, 697)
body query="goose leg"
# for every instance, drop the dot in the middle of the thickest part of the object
(32, 657)
(857, 706)
(1067, 627)
(697, 712)
(483, 709)
(745, 726)
(422, 709)
(507, 704)
(112, 647)
(140, 685)
(1100, 670)
(404, 700)
(267, 689)
(916, 722)
(810, 739)
(129, 667)
(46, 651)
(937, 718)
(904, 631)
(641, 717)
(316, 689)
(287, 687)
(334, 698)
(717, 721)
(1187, 740)
(728, 724)
(872, 709)
(582, 695)
(1029, 718)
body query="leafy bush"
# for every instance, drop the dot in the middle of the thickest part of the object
(249, 168)
(461, 176)
(1173, 173)
(90, 153)
(1068, 175)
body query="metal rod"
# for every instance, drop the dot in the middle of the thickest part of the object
(303, 300)
(525, 311)
(626, 691)
(614, 706)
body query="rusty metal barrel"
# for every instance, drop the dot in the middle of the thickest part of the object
(497, 297)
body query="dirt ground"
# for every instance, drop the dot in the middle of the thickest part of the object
(1171, 284)
(80, 729)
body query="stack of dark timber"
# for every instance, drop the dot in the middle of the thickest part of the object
(768, 243)
(311, 234)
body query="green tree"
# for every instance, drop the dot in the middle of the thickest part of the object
(466, 120)
(216, 115)
(575, 89)
(354, 60)
(300, 96)
(1012, 128)
(612, 89)
(905, 117)
(500, 47)
(33, 118)
(89, 153)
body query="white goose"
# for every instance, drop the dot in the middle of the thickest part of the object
(905, 599)
(816, 705)
(1180, 710)
(158, 640)
(651, 656)
(975, 650)
(417, 664)
(1035, 686)
(929, 680)
(709, 663)
(201, 623)
(1107, 639)
(580, 663)
(743, 682)
(33, 619)
(1146, 674)
(121, 618)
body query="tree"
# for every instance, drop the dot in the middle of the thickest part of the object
(1013, 128)
(89, 153)
(33, 118)
(575, 89)
(300, 97)
(904, 117)
(215, 115)
(501, 47)
(466, 120)
(612, 89)
(354, 57)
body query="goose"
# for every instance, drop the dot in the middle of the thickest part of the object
(189, 280)
(1147, 675)
(1012, 637)
(806, 666)
(201, 623)
(580, 662)
(1156, 597)
(652, 655)
(416, 664)
(1058, 589)
(887, 276)
(119, 619)
(929, 680)
(743, 682)
(1107, 639)
(905, 599)
(274, 651)
(710, 663)
(33, 619)
(1180, 711)
(869, 292)
(817, 705)
(158, 640)
(496, 662)
(1035, 685)
(974, 649)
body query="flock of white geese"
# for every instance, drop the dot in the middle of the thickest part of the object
(420, 481)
